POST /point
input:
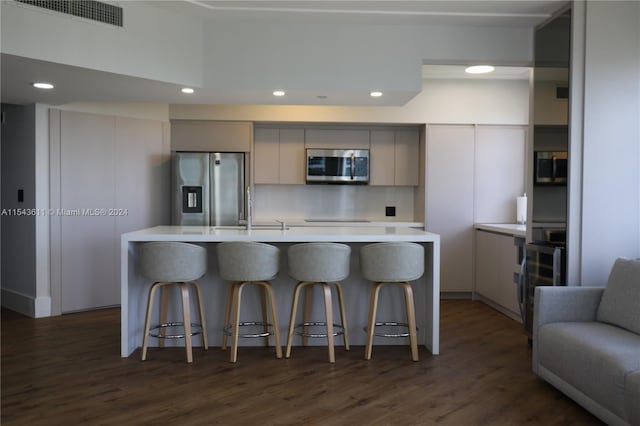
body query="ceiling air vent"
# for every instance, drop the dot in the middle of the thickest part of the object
(89, 9)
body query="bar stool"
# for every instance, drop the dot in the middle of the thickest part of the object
(248, 263)
(393, 263)
(173, 264)
(319, 264)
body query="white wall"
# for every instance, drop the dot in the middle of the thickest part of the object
(604, 206)
(441, 101)
(158, 112)
(316, 58)
(18, 232)
(154, 43)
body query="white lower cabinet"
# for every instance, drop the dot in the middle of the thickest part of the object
(496, 258)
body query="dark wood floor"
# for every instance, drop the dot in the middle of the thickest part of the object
(67, 371)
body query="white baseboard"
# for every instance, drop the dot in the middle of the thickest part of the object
(34, 307)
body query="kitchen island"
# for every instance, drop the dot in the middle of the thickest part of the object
(134, 287)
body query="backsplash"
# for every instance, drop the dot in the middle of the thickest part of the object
(344, 202)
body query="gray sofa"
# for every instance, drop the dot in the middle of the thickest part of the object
(586, 343)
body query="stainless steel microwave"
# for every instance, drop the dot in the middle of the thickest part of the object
(344, 166)
(550, 168)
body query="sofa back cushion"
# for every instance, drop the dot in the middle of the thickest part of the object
(620, 304)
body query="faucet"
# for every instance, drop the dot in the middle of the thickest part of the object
(283, 226)
(248, 208)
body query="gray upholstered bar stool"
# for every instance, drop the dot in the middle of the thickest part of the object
(248, 263)
(319, 264)
(392, 263)
(173, 264)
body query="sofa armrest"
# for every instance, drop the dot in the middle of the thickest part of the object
(562, 304)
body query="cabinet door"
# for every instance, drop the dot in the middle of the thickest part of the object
(450, 202)
(500, 172)
(266, 153)
(406, 157)
(496, 260)
(211, 136)
(382, 158)
(292, 157)
(88, 243)
(336, 138)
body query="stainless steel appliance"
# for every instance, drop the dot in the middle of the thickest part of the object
(543, 263)
(338, 166)
(550, 168)
(208, 188)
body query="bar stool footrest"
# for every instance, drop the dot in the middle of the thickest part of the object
(338, 329)
(392, 324)
(227, 329)
(195, 330)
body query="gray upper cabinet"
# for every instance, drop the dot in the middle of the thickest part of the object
(211, 136)
(406, 157)
(336, 138)
(279, 156)
(394, 157)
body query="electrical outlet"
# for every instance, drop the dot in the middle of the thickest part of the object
(390, 211)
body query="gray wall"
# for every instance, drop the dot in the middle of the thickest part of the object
(604, 217)
(18, 232)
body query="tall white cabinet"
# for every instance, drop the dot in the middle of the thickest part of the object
(473, 175)
(450, 158)
(109, 175)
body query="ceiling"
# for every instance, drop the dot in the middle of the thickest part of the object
(444, 12)
(86, 85)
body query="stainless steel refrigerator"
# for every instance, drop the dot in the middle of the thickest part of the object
(208, 188)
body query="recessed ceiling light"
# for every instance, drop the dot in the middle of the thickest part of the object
(278, 93)
(375, 94)
(42, 85)
(188, 90)
(479, 69)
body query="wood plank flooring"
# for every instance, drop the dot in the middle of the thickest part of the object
(67, 371)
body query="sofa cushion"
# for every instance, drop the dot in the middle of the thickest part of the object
(593, 357)
(633, 398)
(620, 303)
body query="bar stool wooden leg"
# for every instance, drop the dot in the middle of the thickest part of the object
(227, 315)
(411, 320)
(265, 313)
(274, 318)
(343, 316)
(237, 297)
(328, 309)
(205, 343)
(147, 321)
(292, 317)
(164, 309)
(307, 310)
(371, 324)
(186, 318)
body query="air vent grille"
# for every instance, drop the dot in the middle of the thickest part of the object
(89, 9)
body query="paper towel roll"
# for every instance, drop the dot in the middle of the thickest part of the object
(521, 210)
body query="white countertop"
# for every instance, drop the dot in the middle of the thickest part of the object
(292, 234)
(337, 222)
(504, 228)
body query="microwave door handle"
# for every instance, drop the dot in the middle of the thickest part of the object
(555, 167)
(353, 164)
